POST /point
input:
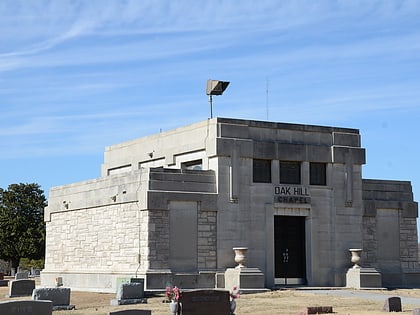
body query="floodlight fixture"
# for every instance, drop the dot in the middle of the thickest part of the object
(215, 87)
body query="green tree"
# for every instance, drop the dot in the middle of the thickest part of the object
(22, 227)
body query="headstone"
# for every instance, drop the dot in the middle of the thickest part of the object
(22, 287)
(316, 310)
(35, 272)
(3, 283)
(131, 312)
(130, 293)
(21, 275)
(392, 304)
(26, 307)
(60, 297)
(137, 280)
(205, 302)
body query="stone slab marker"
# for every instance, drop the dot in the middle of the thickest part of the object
(21, 275)
(22, 287)
(60, 297)
(392, 304)
(131, 312)
(316, 310)
(130, 293)
(205, 302)
(26, 308)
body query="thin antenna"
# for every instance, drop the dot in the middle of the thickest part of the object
(266, 95)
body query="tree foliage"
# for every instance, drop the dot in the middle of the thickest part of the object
(22, 227)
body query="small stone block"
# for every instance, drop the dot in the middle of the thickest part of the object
(393, 304)
(317, 310)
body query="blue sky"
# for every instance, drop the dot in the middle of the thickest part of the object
(76, 76)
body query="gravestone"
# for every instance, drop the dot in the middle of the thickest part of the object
(131, 312)
(21, 275)
(130, 293)
(26, 308)
(205, 302)
(316, 310)
(60, 297)
(23, 287)
(392, 304)
(3, 283)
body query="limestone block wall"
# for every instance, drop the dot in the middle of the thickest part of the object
(102, 239)
(158, 239)
(390, 240)
(207, 240)
(408, 243)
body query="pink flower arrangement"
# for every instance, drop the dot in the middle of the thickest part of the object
(173, 294)
(235, 293)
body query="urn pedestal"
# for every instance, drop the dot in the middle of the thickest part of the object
(245, 278)
(358, 277)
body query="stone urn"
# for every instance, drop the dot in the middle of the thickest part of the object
(355, 256)
(240, 256)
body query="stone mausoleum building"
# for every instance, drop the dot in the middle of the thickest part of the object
(170, 207)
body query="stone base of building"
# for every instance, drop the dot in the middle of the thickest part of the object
(247, 279)
(358, 278)
(89, 282)
(159, 279)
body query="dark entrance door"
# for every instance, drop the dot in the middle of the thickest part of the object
(289, 250)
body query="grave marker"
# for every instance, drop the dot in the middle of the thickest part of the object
(392, 304)
(316, 310)
(21, 275)
(23, 287)
(3, 283)
(60, 297)
(205, 302)
(130, 293)
(26, 307)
